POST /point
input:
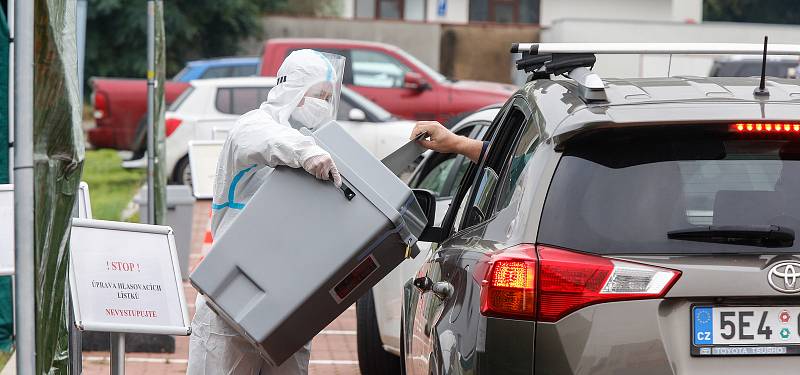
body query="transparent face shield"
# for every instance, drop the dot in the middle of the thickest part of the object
(325, 94)
(335, 79)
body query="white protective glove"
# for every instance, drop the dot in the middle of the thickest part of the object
(323, 168)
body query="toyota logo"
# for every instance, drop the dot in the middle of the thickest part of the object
(785, 277)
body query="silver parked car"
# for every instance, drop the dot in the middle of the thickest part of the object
(634, 226)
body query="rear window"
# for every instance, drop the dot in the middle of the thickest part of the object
(240, 100)
(243, 70)
(621, 193)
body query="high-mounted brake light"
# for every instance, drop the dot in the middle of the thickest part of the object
(547, 284)
(171, 124)
(766, 127)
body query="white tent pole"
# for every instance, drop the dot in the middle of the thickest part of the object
(23, 189)
(75, 336)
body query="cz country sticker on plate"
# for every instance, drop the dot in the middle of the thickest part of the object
(745, 330)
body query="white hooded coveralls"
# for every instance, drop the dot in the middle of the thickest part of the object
(261, 140)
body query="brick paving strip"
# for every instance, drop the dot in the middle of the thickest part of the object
(333, 351)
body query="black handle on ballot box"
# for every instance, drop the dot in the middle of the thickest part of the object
(348, 193)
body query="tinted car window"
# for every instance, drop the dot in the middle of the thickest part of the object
(239, 100)
(243, 70)
(523, 151)
(624, 194)
(436, 180)
(513, 124)
(216, 72)
(443, 172)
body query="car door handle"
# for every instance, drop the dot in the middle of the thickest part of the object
(423, 283)
(442, 289)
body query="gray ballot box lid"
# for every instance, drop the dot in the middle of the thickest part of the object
(301, 251)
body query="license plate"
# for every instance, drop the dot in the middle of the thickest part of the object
(745, 330)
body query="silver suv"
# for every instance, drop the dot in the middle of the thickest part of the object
(636, 226)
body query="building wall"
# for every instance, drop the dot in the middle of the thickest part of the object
(687, 11)
(640, 10)
(481, 51)
(418, 39)
(676, 32)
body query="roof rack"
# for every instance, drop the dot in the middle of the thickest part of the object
(575, 60)
(656, 48)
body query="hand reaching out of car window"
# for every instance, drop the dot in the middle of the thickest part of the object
(441, 139)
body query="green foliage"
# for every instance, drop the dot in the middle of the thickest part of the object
(757, 11)
(116, 33)
(323, 8)
(111, 186)
(116, 30)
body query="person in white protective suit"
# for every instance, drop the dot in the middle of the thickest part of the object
(306, 95)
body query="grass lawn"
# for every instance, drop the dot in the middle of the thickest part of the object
(111, 187)
(4, 357)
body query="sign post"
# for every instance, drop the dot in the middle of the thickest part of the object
(24, 281)
(82, 209)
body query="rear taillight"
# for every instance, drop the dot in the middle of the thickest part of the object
(546, 283)
(509, 287)
(171, 124)
(100, 102)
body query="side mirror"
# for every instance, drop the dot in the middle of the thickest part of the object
(356, 114)
(414, 81)
(427, 200)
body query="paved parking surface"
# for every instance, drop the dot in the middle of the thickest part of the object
(333, 351)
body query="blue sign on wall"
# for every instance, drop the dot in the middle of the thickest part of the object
(441, 8)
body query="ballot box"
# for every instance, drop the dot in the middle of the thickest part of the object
(302, 250)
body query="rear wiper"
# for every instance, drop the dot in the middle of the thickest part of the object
(751, 235)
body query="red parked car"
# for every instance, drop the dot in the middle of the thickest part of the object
(393, 78)
(120, 103)
(385, 74)
(119, 108)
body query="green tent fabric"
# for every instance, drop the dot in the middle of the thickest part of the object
(58, 163)
(6, 307)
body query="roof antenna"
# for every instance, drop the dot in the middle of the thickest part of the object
(762, 87)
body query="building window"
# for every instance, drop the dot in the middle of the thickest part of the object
(409, 10)
(365, 8)
(390, 9)
(504, 11)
